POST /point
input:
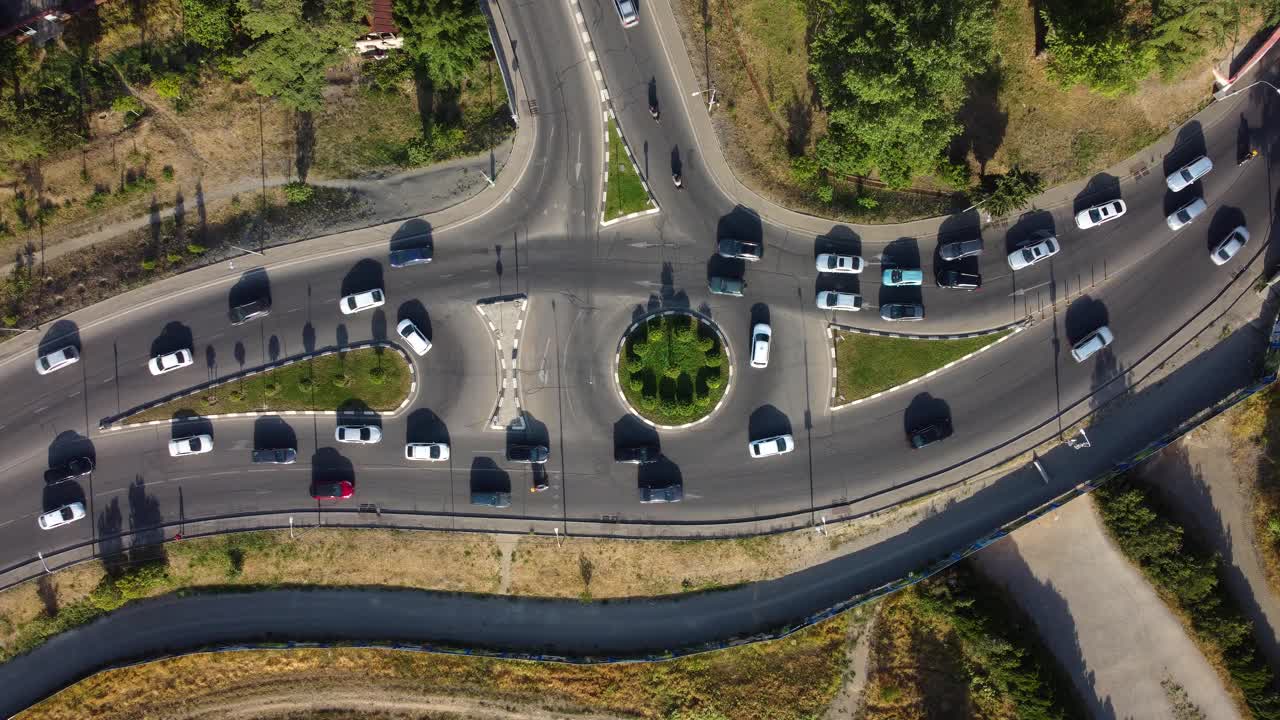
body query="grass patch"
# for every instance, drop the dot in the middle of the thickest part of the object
(625, 193)
(1188, 579)
(955, 641)
(868, 364)
(673, 370)
(789, 679)
(362, 379)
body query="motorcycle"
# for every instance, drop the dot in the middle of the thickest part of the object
(653, 110)
(679, 181)
(1253, 153)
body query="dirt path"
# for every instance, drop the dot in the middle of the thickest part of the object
(848, 701)
(367, 702)
(1102, 619)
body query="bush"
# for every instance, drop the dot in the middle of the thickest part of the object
(305, 383)
(148, 264)
(236, 395)
(196, 249)
(113, 592)
(825, 193)
(129, 106)
(271, 389)
(1004, 194)
(1190, 577)
(167, 172)
(867, 202)
(97, 200)
(955, 175)
(805, 170)
(636, 384)
(298, 193)
(9, 320)
(377, 375)
(173, 258)
(341, 380)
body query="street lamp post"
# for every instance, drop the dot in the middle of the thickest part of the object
(1248, 87)
(711, 98)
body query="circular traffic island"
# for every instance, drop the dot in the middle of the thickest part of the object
(673, 369)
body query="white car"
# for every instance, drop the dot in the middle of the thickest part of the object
(1092, 343)
(379, 41)
(162, 364)
(1032, 254)
(194, 445)
(831, 263)
(832, 300)
(62, 516)
(768, 447)
(761, 335)
(1185, 214)
(361, 434)
(413, 336)
(627, 12)
(1099, 214)
(57, 360)
(359, 302)
(430, 452)
(1229, 246)
(1189, 173)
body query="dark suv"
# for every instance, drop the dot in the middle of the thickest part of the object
(275, 456)
(669, 494)
(956, 280)
(69, 470)
(410, 256)
(533, 454)
(242, 314)
(926, 435)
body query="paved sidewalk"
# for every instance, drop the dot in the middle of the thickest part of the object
(391, 198)
(1101, 618)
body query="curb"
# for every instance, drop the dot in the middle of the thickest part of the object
(116, 422)
(617, 363)
(831, 335)
(584, 38)
(1023, 323)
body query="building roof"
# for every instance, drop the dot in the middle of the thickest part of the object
(380, 19)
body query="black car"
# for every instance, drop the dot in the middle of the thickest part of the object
(956, 280)
(275, 456)
(410, 256)
(670, 494)
(960, 249)
(69, 470)
(637, 454)
(534, 454)
(253, 310)
(739, 249)
(926, 435)
(491, 498)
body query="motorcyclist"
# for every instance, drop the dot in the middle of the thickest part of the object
(653, 110)
(679, 181)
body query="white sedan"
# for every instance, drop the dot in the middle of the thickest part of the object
(830, 263)
(1185, 214)
(1032, 254)
(832, 300)
(1098, 214)
(1229, 246)
(780, 445)
(194, 445)
(1189, 173)
(361, 434)
(430, 452)
(57, 360)
(62, 516)
(358, 302)
(413, 336)
(169, 362)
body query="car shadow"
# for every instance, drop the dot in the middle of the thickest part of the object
(187, 423)
(59, 335)
(424, 426)
(252, 285)
(415, 312)
(272, 432)
(363, 276)
(1225, 219)
(741, 223)
(175, 336)
(1100, 188)
(630, 431)
(1084, 315)
(412, 234)
(328, 465)
(1189, 145)
(1027, 228)
(662, 473)
(69, 445)
(486, 476)
(923, 410)
(767, 421)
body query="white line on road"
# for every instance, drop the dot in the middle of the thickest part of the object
(1024, 291)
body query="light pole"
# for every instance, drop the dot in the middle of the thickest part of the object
(711, 99)
(251, 252)
(1249, 86)
(17, 330)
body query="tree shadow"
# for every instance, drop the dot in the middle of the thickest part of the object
(340, 336)
(378, 327)
(273, 348)
(110, 522)
(799, 114)
(304, 139)
(145, 521)
(175, 336)
(271, 432)
(309, 338)
(983, 120)
(668, 297)
(767, 421)
(365, 275)
(424, 426)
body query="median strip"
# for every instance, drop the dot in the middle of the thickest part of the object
(367, 379)
(625, 193)
(869, 365)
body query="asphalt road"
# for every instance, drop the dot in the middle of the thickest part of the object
(585, 284)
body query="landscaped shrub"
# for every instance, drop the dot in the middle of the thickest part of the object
(377, 375)
(298, 193)
(673, 369)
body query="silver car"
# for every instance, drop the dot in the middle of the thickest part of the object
(832, 263)
(1099, 214)
(1185, 214)
(57, 360)
(1189, 173)
(1032, 254)
(832, 300)
(1230, 245)
(627, 12)
(960, 249)
(902, 312)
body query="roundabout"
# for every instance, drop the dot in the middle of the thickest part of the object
(673, 369)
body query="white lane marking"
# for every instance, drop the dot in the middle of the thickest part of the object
(1024, 291)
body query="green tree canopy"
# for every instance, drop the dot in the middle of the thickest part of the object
(892, 74)
(296, 41)
(208, 23)
(445, 37)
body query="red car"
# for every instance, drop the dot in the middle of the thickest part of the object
(336, 490)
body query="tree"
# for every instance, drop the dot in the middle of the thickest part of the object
(208, 23)
(1108, 58)
(445, 37)
(1003, 194)
(295, 43)
(892, 74)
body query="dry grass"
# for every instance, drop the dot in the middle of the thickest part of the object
(1254, 429)
(916, 668)
(791, 678)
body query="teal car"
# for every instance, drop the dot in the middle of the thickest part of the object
(898, 277)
